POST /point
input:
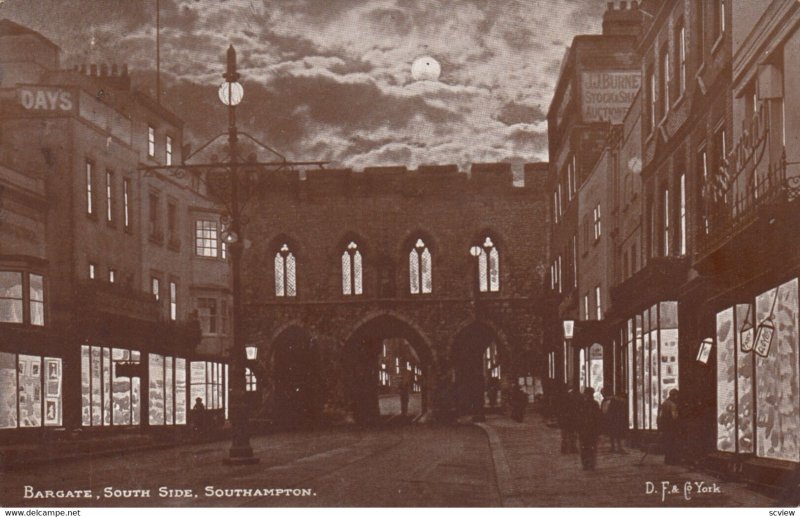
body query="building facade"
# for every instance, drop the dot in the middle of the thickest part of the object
(106, 271)
(700, 185)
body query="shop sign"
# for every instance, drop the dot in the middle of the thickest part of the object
(705, 350)
(606, 96)
(764, 335)
(43, 98)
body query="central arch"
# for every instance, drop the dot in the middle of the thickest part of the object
(384, 357)
(476, 353)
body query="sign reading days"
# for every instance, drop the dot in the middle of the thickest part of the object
(606, 96)
(43, 98)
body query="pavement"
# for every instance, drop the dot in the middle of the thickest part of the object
(531, 471)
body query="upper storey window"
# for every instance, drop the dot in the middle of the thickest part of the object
(285, 279)
(352, 274)
(419, 268)
(488, 266)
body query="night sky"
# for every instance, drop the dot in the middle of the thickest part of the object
(331, 79)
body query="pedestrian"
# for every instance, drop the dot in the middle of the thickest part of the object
(614, 419)
(567, 411)
(404, 396)
(198, 415)
(669, 426)
(519, 399)
(590, 418)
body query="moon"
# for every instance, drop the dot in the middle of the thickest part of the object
(425, 68)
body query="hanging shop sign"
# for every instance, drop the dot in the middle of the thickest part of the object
(764, 335)
(746, 332)
(705, 350)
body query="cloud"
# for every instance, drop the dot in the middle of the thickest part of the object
(331, 79)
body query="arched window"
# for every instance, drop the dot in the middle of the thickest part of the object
(285, 279)
(352, 274)
(419, 268)
(488, 266)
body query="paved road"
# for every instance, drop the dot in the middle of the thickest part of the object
(405, 466)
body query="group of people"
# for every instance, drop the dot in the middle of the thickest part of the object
(583, 420)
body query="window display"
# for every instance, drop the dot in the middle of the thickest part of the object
(156, 376)
(180, 391)
(30, 391)
(652, 362)
(596, 370)
(108, 399)
(749, 383)
(207, 384)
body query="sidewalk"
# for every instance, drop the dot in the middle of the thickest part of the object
(531, 471)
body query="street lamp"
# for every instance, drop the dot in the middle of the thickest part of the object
(569, 331)
(231, 93)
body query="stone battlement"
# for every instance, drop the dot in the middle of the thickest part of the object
(485, 176)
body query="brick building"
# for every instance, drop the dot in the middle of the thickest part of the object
(102, 266)
(599, 78)
(341, 261)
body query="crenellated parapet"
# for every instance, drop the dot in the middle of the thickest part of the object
(424, 180)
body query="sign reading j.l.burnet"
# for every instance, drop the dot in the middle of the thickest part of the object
(606, 95)
(46, 98)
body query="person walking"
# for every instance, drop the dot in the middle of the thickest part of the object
(567, 410)
(590, 418)
(614, 416)
(404, 394)
(670, 429)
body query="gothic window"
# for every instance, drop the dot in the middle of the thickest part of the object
(419, 268)
(285, 279)
(488, 267)
(352, 274)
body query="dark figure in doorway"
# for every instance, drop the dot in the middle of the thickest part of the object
(493, 390)
(519, 399)
(404, 389)
(591, 420)
(614, 419)
(670, 429)
(567, 409)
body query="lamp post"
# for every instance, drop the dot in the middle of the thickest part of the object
(231, 93)
(475, 251)
(569, 331)
(241, 452)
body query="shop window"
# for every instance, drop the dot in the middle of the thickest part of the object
(167, 393)
(285, 272)
(595, 370)
(419, 268)
(106, 398)
(30, 391)
(352, 274)
(652, 354)
(758, 400)
(488, 267)
(208, 384)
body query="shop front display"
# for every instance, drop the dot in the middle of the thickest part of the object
(209, 383)
(107, 399)
(30, 391)
(758, 386)
(167, 393)
(651, 347)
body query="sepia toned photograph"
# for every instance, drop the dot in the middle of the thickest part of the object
(399, 253)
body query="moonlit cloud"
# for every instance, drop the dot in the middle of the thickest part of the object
(331, 80)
